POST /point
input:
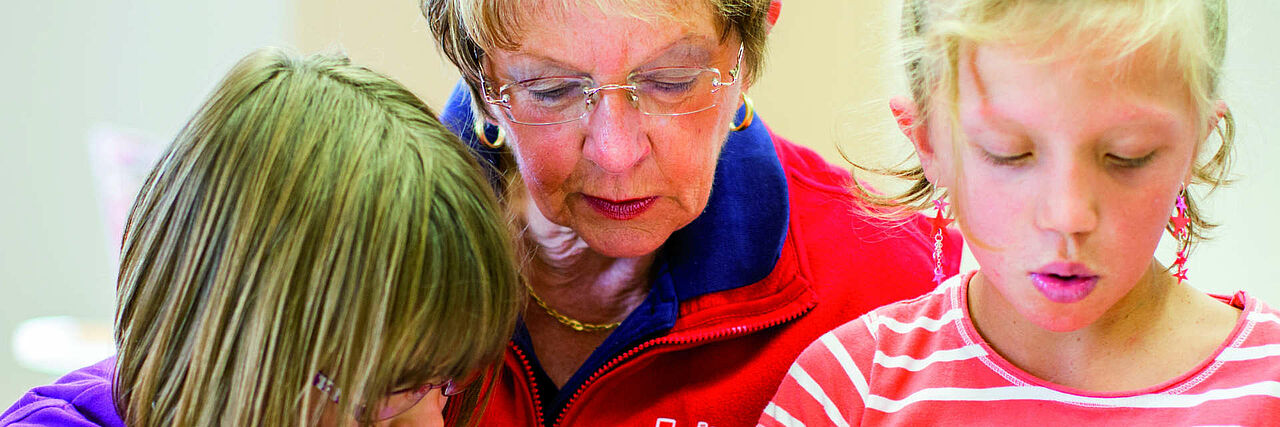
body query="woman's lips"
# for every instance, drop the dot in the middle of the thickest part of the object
(1064, 283)
(620, 210)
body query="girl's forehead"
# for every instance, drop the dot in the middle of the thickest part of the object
(1009, 81)
(1141, 69)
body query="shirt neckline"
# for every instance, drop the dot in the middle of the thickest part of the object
(958, 297)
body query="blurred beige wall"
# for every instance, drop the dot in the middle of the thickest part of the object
(388, 36)
(813, 91)
(83, 76)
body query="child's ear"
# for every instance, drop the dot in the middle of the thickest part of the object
(775, 10)
(1220, 111)
(906, 114)
(1215, 123)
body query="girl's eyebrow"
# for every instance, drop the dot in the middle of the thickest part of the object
(1149, 121)
(1136, 119)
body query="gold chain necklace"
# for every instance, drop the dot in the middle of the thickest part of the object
(569, 321)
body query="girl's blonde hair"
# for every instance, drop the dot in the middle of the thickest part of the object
(1188, 36)
(314, 216)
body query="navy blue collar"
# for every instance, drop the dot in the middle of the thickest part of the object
(737, 239)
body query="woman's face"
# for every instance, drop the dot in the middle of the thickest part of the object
(623, 181)
(1066, 178)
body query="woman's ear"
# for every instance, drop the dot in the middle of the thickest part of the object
(492, 117)
(907, 115)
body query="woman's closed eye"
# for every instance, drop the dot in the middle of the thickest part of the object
(555, 94)
(667, 86)
(553, 90)
(669, 81)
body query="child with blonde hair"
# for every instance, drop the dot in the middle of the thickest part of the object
(314, 248)
(1064, 137)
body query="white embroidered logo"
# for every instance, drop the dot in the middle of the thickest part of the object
(668, 422)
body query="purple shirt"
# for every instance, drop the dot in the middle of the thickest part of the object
(80, 398)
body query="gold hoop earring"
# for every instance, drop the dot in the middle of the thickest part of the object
(478, 127)
(746, 117)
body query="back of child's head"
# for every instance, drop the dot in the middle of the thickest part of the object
(314, 216)
(1186, 38)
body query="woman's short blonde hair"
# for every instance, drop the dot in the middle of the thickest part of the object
(314, 216)
(466, 29)
(1188, 36)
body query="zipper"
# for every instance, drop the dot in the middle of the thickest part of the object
(714, 335)
(533, 383)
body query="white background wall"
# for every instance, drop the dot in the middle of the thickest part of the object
(146, 65)
(1246, 253)
(72, 65)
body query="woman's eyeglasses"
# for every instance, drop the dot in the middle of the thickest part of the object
(667, 91)
(393, 404)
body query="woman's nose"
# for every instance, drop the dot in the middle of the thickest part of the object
(614, 140)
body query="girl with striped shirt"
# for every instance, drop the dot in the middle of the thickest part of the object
(1064, 137)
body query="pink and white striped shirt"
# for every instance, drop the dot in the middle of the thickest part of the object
(922, 362)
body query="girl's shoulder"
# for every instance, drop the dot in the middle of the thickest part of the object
(80, 398)
(1257, 332)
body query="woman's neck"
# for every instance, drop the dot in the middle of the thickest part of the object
(578, 281)
(1164, 326)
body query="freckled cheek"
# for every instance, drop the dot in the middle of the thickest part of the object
(994, 247)
(995, 212)
(687, 155)
(546, 158)
(1137, 227)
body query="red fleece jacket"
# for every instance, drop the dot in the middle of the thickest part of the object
(728, 351)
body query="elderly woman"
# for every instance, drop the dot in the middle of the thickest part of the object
(679, 255)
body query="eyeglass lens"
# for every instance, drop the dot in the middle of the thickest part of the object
(663, 92)
(399, 402)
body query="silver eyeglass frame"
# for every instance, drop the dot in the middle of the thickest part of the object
(326, 386)
(591, 91)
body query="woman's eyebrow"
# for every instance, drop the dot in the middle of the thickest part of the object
(528, 66)
(688, 49)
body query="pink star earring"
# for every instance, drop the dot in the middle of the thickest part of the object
(940, 222)
(1182, 231)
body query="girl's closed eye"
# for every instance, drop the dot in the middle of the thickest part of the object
(999, 145)
(1130, 162)
(998, 159)
(1004, 151)
(1131, 152)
